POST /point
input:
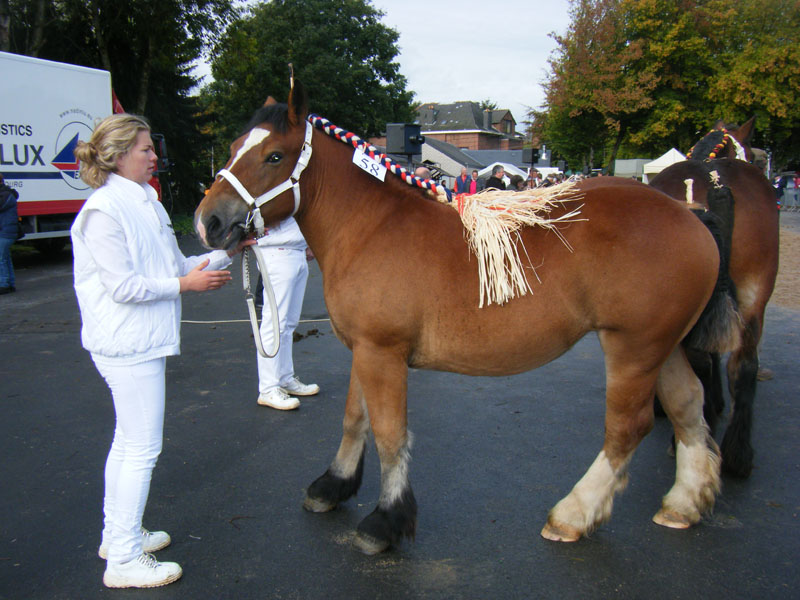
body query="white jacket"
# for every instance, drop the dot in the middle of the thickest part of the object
(127, 264)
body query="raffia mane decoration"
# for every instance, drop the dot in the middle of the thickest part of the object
(492, 221)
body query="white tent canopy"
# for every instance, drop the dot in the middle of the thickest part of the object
(654, 167)
(507, 167)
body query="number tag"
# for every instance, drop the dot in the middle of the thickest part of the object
(369, 164)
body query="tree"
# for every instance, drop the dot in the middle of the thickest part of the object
(762, 50)
(658, 73)
(341, 51)
(149, 46)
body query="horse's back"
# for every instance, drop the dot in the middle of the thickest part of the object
(754, 244)
(613, 270)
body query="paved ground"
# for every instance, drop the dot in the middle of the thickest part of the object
(492, 455)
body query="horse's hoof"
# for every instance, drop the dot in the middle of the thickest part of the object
(765, 374)
(673, 520)
(368, 544)
(560, 532)
(317, 505)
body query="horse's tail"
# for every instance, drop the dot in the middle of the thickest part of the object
(719, 328)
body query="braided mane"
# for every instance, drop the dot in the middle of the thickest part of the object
(710, 146)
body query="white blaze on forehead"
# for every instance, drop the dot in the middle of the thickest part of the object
(254, 138)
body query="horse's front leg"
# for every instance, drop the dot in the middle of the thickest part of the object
(343, 477)
(383, 374)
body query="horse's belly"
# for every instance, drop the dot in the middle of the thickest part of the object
(488, 345)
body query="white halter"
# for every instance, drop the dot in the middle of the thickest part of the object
(293, 182)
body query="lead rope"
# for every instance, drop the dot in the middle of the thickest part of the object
(251, 305)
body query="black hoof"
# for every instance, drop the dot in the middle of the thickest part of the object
(386, 527)
(329, 490)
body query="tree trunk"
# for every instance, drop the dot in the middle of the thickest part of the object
(5, 26)
(144, 80)
(99, 35)
(617, 143)
(37, 38)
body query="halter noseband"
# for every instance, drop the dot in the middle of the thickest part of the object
(293, 182)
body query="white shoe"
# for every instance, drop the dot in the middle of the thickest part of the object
(296, 388)
(151, 542)
(277, 398)
(142, 572)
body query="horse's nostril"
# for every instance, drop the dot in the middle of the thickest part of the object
(214, 230)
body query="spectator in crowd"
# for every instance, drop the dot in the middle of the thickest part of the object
(496, 180)
(517, 183)
(425, 173)
(476, 185)
(9, 226)
(461, 185)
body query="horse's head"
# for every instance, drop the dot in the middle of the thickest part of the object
(725, 142)
(260, 179)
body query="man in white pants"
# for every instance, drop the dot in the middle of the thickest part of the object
(284, 250)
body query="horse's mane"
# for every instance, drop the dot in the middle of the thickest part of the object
(705, 146)
(276, 115)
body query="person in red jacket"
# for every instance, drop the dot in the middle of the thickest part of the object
(461, 185)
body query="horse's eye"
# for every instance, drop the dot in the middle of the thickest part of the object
(274, 158)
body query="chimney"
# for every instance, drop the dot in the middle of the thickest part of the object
(487, 119)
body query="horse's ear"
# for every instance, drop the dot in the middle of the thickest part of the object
(745, 133)
(297, 102)
(270, 100)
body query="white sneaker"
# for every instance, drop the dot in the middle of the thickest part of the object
(277, 398)
(142, 572)
(296, 388)
(151, 542)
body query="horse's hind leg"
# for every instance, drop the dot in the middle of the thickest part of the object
(629, 417)
(697, 460)
(383, 374)
(343, 477)
(737, 452)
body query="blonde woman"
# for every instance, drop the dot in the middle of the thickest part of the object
(129, 274)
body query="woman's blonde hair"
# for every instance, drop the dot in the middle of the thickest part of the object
(112, 137)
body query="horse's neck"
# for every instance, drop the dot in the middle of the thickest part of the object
(335, 207)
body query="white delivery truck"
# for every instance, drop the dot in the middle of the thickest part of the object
(45, 109)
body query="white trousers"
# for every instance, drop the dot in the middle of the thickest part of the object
(138, 392)
(288, 274)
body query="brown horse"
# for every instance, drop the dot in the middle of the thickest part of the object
(402, 291)
(750, 225)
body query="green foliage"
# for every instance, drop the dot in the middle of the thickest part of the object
(149, 46)
(655, 74)
(342, 53)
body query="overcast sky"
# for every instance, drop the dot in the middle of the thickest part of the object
(454, 50)
(467, 50)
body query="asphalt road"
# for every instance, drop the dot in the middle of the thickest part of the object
(491, 457)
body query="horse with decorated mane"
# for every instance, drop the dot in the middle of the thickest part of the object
(403, 288)
(717, 178)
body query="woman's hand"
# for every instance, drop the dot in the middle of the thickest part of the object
(248, 241)
(198, 280)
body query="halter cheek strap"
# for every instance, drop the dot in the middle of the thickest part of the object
(293, 182)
